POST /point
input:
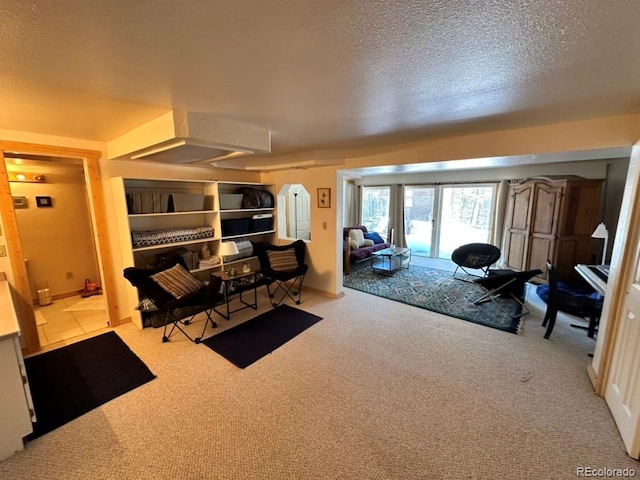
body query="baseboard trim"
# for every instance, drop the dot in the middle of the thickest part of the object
(593, 378)
(323, 293)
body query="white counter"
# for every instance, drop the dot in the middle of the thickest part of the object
(16, 406)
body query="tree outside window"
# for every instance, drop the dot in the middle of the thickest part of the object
(375, 209)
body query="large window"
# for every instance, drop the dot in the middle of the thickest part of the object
(438, 219)
(375, 209)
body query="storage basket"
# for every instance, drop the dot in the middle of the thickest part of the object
(235, 226)
(262, 222)
(186, 202)
(230, 201)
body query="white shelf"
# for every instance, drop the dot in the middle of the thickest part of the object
(241, 260)
(211, 216)
(253, 234)
(169, 214)
(204, 269)
(174, 244)
(239, 210)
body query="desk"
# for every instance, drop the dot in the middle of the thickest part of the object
(598, 282)
(228, 281)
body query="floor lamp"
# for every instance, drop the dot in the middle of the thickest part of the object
(295, 214)
(601, 232)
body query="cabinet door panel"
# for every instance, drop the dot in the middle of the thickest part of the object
(546, 209)
(521, 208)
(517, 250)
(541, 249)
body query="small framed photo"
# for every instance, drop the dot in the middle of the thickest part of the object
(324, 198)
(43, 202)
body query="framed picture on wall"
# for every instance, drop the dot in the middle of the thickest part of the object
(43, 202)
(324, 198)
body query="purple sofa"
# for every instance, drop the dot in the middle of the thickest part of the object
(361, 253)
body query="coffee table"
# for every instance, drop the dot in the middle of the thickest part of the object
(390, 260)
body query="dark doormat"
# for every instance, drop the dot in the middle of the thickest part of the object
(248, 342)
(70, 381)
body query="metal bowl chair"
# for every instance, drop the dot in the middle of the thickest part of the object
(178, 311)
(283, 265)
(477, 256)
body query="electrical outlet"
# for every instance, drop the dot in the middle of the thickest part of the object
(68, 275)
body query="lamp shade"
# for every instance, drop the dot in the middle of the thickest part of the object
(600, 231)
(228, 248)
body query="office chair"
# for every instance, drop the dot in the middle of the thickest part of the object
(580, 305)
(176, 293)
(283, 265)
(479, 256)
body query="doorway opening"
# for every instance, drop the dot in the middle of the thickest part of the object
(54, 223)
(14, 264)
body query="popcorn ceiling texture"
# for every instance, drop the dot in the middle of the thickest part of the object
(317, 74)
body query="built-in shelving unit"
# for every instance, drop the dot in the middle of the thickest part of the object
(145, 208)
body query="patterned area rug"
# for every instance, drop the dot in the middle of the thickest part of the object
(438, 291)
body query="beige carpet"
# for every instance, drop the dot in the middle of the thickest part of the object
(377, 390)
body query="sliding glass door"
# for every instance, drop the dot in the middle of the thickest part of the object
(419, 209)
(466, 212)
(438, 219)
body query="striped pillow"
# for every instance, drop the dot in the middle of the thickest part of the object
(282, 260)
(177, 281)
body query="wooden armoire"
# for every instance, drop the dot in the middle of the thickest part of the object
(551, 218)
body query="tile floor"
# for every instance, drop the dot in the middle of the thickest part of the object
(57, 325)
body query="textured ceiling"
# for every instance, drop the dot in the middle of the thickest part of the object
(319, 74)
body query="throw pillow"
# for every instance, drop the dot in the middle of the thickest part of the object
(357, 236)
(177, 281)
(375, 236)
(282, 260)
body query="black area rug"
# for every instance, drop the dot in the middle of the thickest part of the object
(70, 381)
(248, 342)
(438, 291)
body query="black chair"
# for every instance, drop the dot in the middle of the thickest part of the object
(283, 265)
(506, 282)
(176, 310)
(580, 305)
(478, 256)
